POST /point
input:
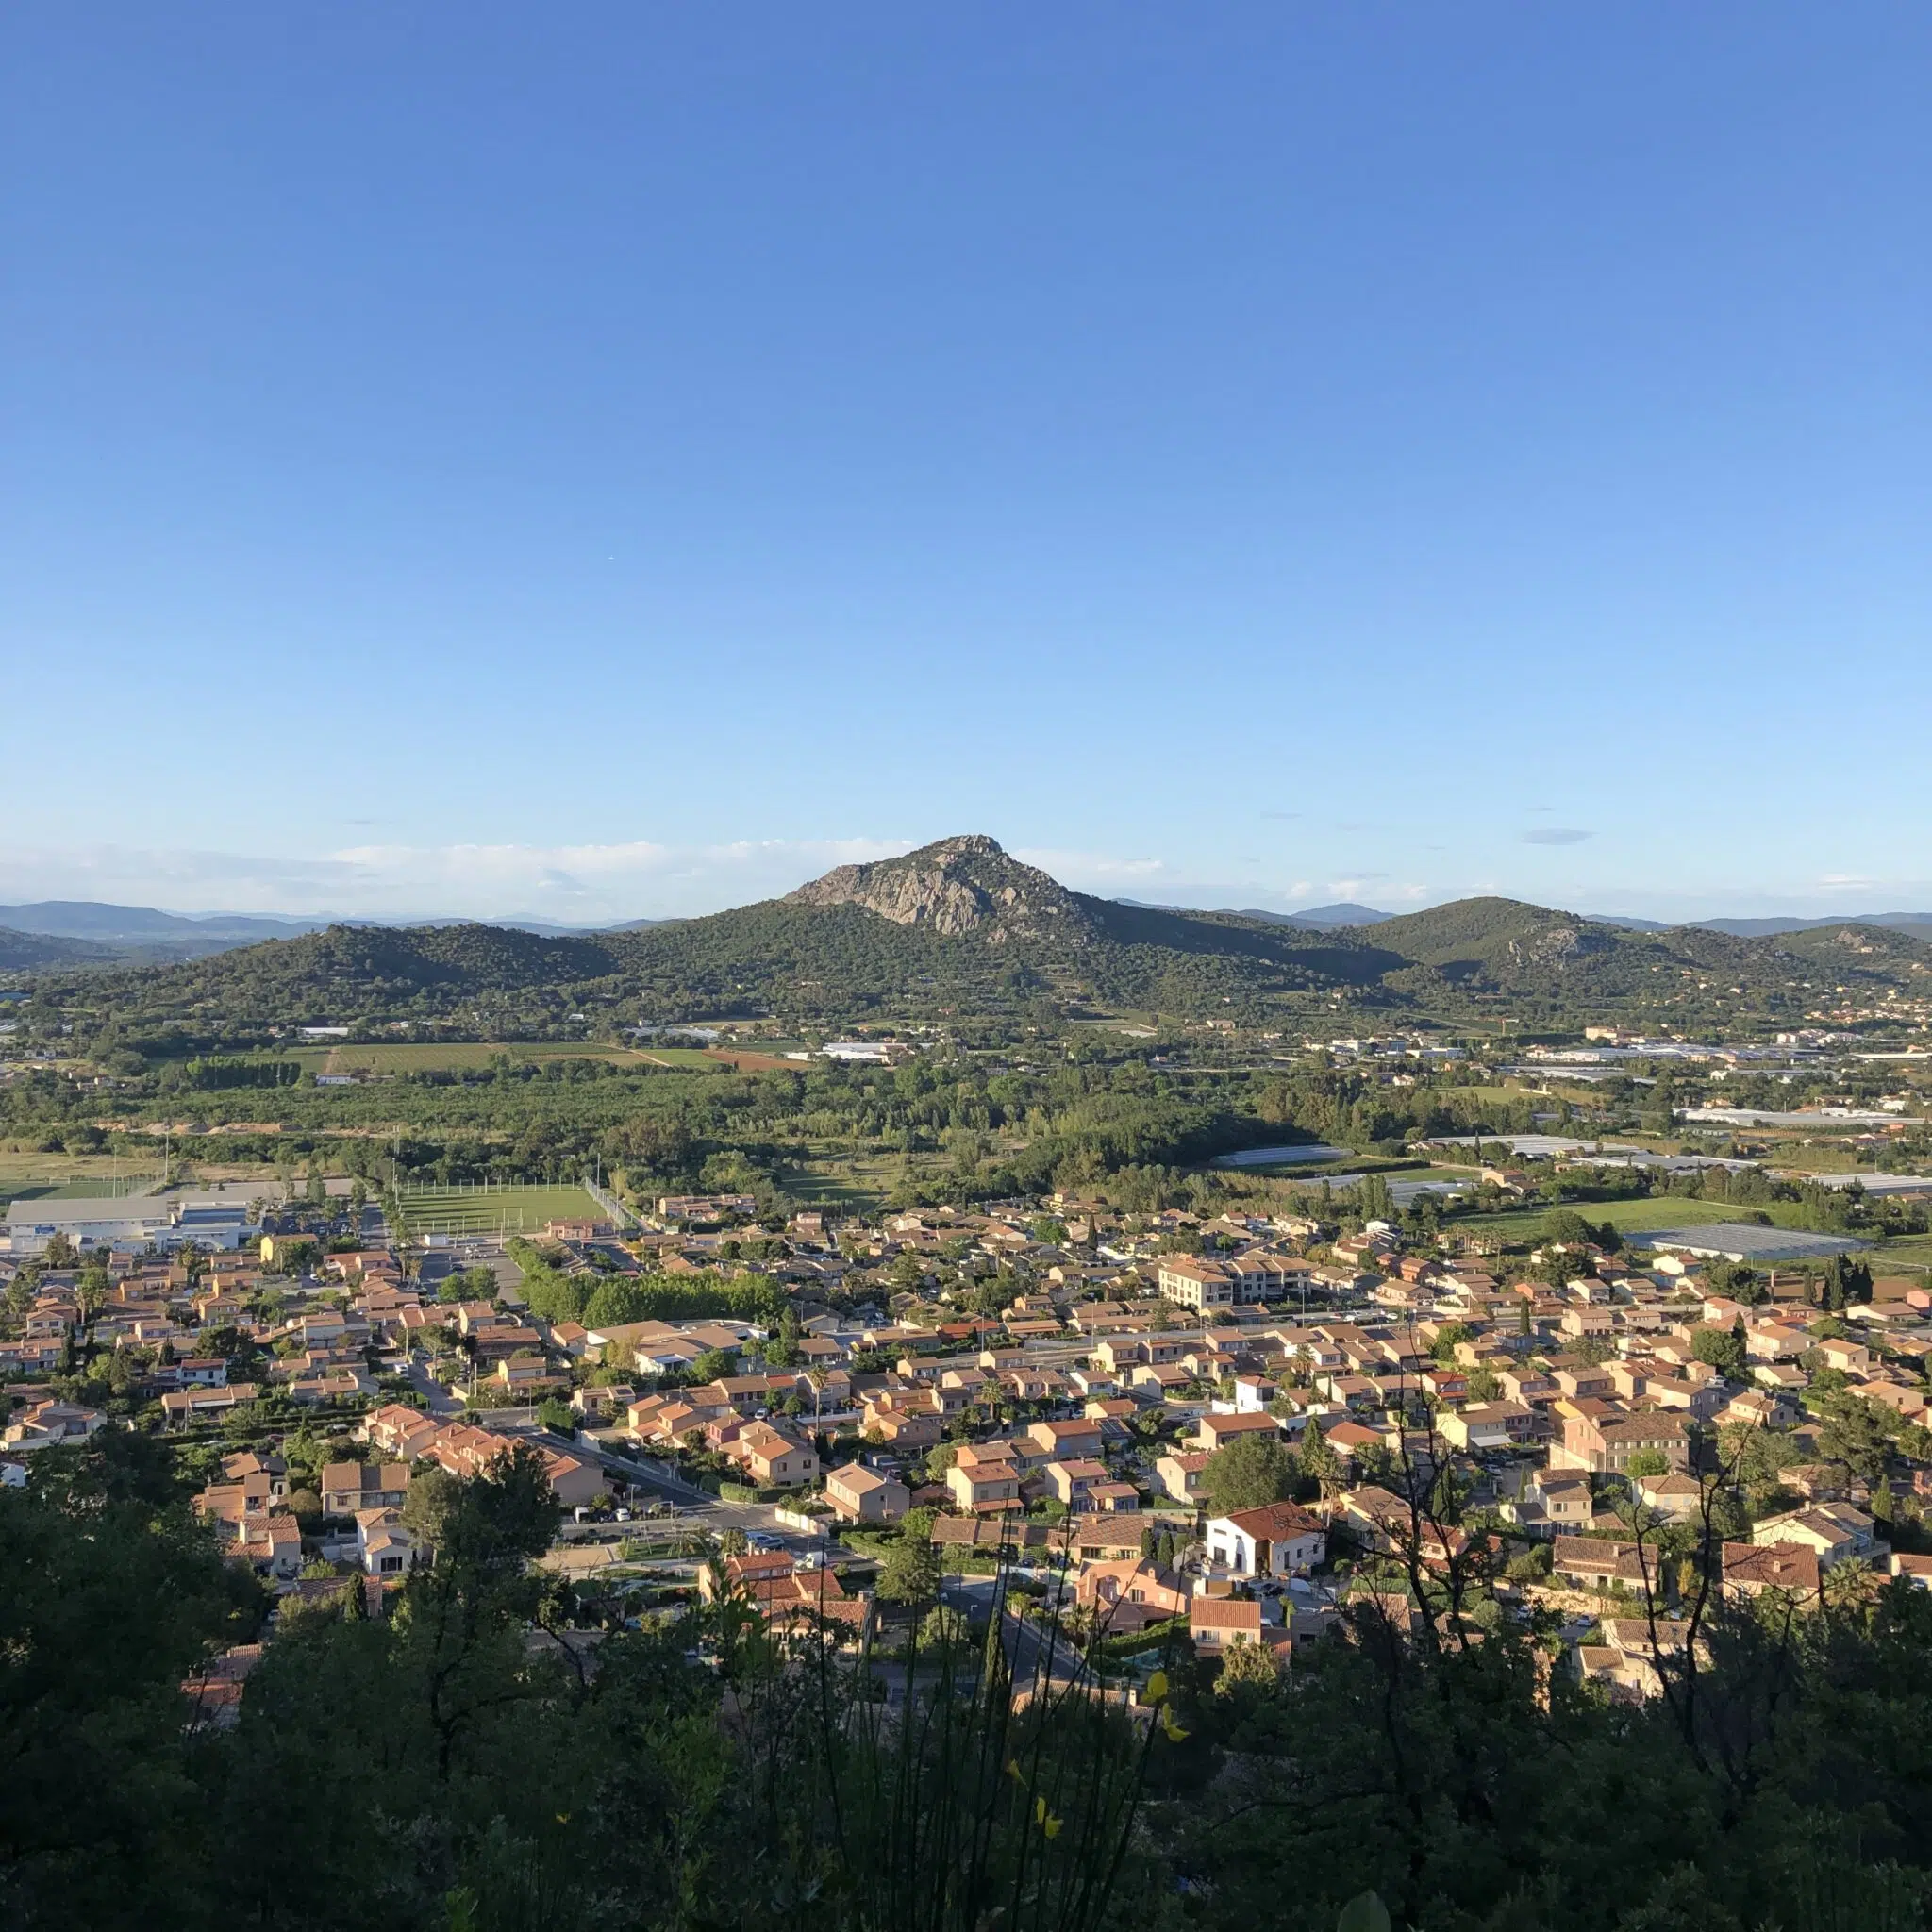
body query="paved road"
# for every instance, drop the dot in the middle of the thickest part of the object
(442, 1403)
(697, 1506)
(1035, 1663)
(1024, 1641)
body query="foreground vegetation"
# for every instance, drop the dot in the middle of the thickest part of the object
(471, 1760)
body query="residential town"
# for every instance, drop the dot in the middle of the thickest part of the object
(1195, 1433)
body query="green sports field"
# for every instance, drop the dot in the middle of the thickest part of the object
(67, 1177)
(494, 1210)
(1627, 1217)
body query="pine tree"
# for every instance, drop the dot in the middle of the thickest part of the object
(1318, 1462)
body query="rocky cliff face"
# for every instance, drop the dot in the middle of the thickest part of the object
(966, 885)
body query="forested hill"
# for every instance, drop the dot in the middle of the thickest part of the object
(961, 928)
(1544, 964)
(358, 970)
(27, 952)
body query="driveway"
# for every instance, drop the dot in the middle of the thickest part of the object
(439, 1400)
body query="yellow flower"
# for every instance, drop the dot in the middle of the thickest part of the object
(1157, 1686)
(1175, 1732)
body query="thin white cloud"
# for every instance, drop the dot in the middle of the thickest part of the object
(597, 883)
(1080, 869)
(572, 885)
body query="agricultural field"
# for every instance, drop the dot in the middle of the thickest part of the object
(747, 1062)
(1908, 1253)
(457, 1055)
(1792, 1154)
(494, 1210)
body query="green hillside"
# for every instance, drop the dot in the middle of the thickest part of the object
(30, 952)
(960, 927)
(1544, 965)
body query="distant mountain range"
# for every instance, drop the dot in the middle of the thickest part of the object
(1917, 924)
(1311, 919)
(142, 935)
(1347, 913)
(87, 919)
(960, 927)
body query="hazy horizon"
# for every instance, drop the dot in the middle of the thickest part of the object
(692, 885)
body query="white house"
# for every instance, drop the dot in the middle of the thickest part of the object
(1279, 1539)
(383, 1546)
(1835, 1532)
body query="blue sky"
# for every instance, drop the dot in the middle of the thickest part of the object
(611, 460)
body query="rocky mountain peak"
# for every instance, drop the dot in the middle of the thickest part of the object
(964, 885)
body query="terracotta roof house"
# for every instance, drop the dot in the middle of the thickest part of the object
(1073, 1482)
(1605, 1443)
(214, 1691)
(790, 1598)
(1180, 1473)
(1751, 1569)
(1064, 1442)
(181, 1406)
(859, 1494)
(347, 1487)
(1915, 1568)
(1279, 1539)
(1597, 1562)
(1216, 1431)
(384, 1547)
(775, 1459)
(1216, 1621)
(1834, 1532)
(986, 1478)
(1125, 1594)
